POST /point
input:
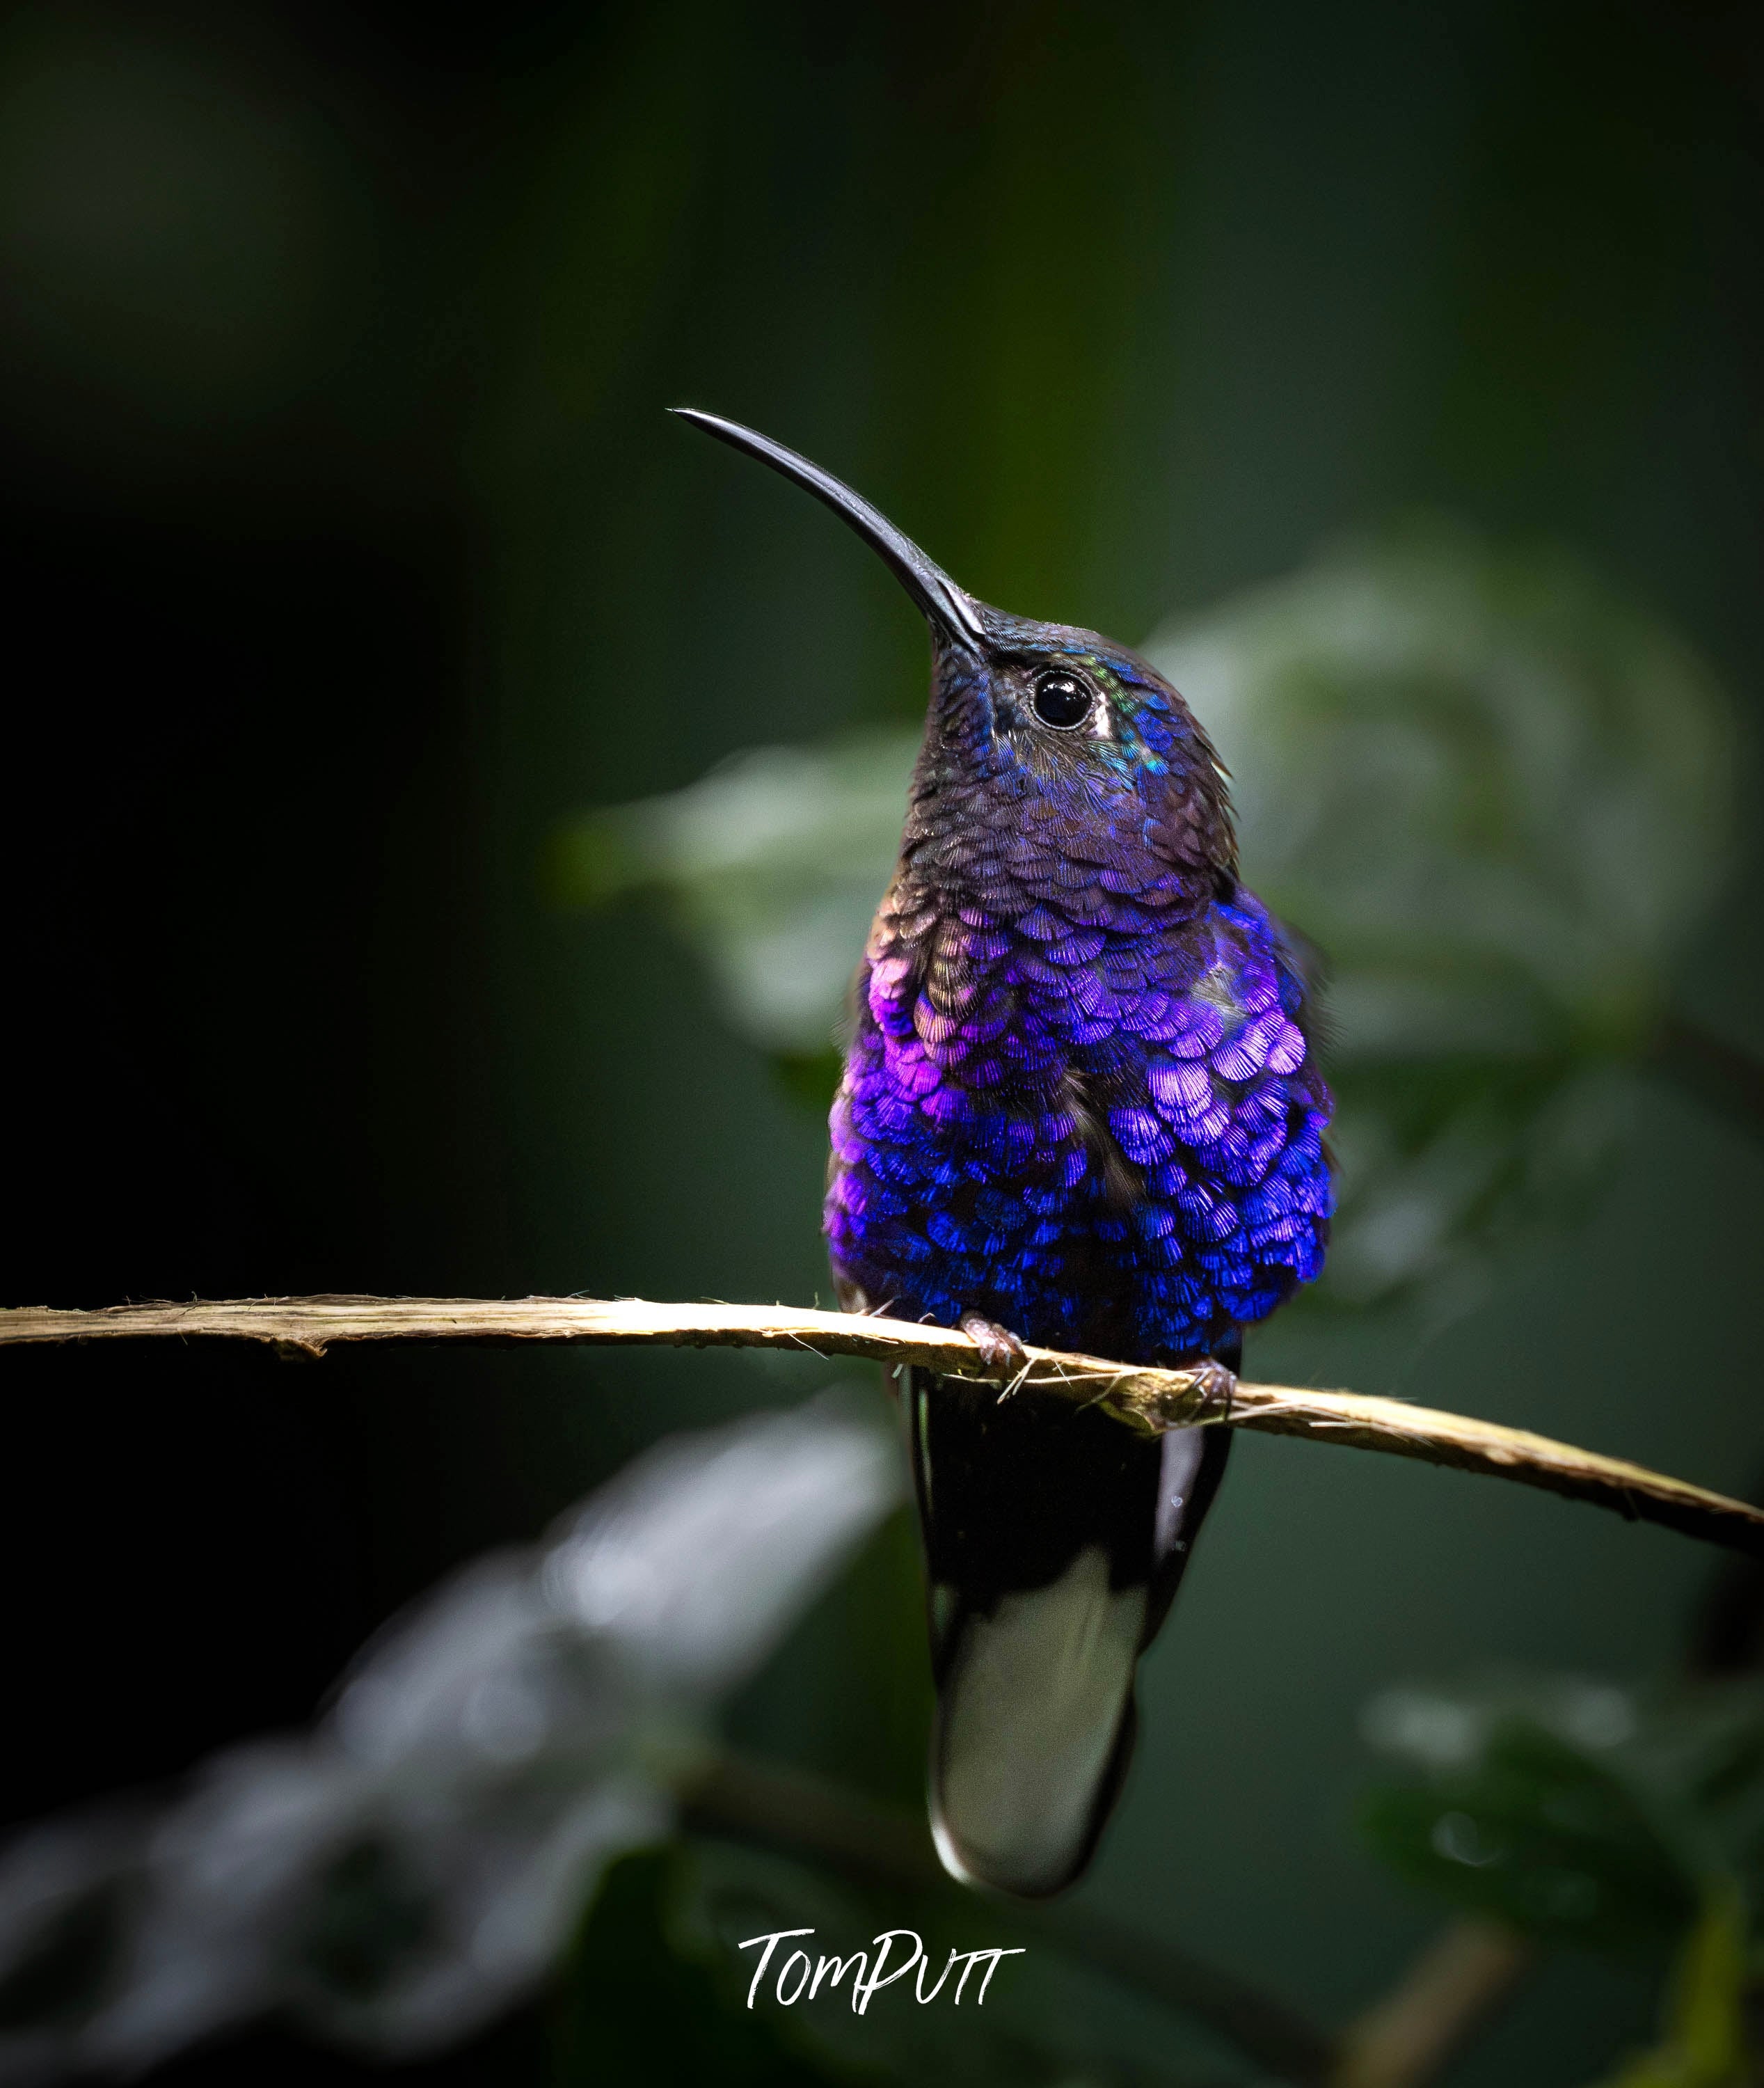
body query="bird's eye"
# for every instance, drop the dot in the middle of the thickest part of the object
(1061, 699)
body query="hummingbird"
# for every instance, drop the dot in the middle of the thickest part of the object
(1080, 1107)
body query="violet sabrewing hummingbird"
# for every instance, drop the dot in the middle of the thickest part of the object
(1080, 1107)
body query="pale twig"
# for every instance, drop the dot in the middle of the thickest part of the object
(1457, 1983)
(1148, 1399)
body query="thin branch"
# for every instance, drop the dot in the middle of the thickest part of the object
(880, 1847)
(1446, 1996)
(1146, 1398)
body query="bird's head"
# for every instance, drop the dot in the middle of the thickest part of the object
(1043, 715)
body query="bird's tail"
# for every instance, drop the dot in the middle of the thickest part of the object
(1054, 1539)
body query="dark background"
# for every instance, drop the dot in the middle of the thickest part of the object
(347, 550)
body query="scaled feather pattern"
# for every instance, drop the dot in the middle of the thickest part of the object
(1079, 1106)
(1080, 1098)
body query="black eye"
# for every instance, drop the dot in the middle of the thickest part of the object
(1061, 699)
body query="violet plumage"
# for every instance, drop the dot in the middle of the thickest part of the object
(1081, 1107)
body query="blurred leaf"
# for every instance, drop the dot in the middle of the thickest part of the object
(1440, 1161)
(1494, 792)
(1706, 2045)
(1491, 786)
(1538, 1837)
(1574, 1811)
(61, 1950)
(1497, 794)
(417, 1861)
(772, 865)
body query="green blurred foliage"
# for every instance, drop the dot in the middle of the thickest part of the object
(1492, 794)
(1534, 1835)
(1591, 1815)
(1706, 2044)
(1585, 1816)
(1499, 797)
(772, 865)
(1496, 790)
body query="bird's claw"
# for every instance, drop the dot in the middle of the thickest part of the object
(1215, 1386)
(1000, 1350)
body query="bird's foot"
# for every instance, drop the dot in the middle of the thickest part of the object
(1215, 1386)
(1000, 1350)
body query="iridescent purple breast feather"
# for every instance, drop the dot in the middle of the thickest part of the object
(1081, 1107)
(1079, 1097)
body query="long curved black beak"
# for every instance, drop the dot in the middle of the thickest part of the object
(950, 608)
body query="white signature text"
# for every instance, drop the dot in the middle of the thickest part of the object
(799, 1976)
